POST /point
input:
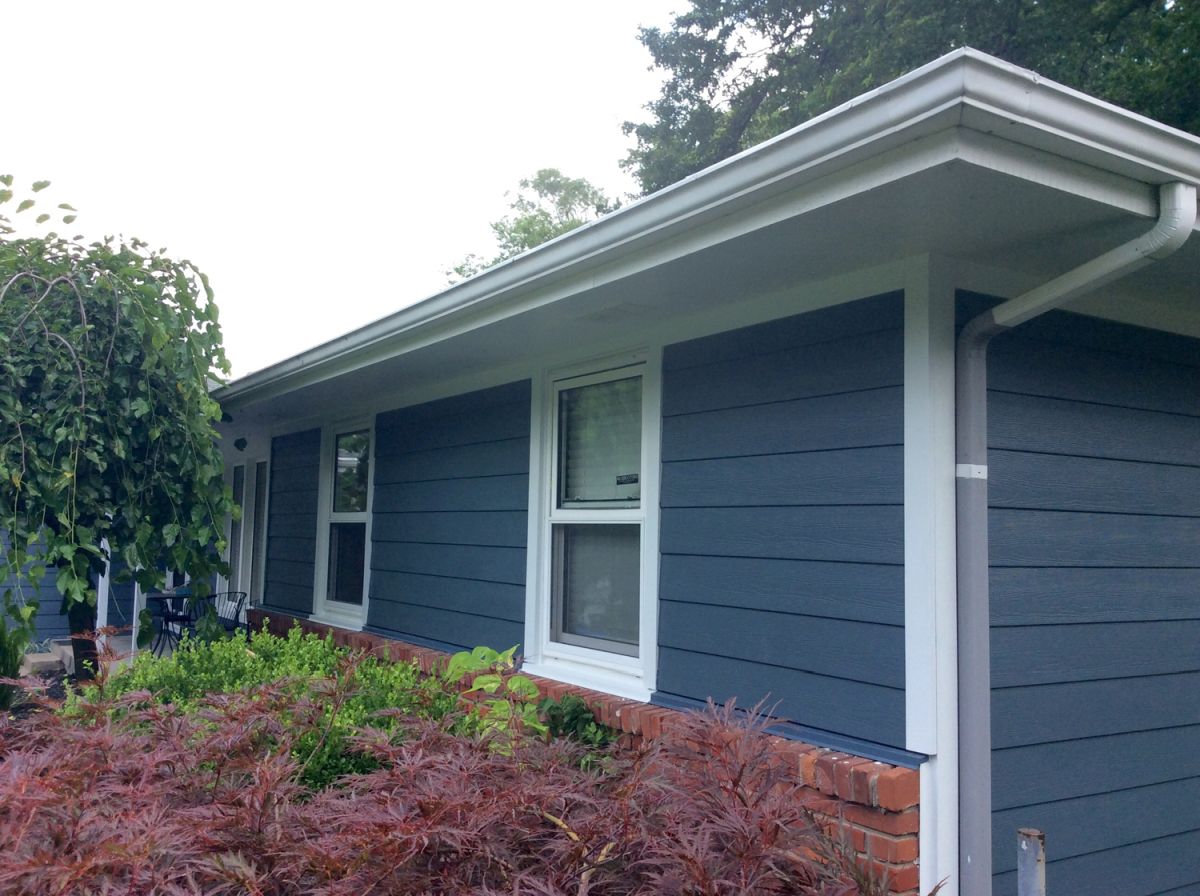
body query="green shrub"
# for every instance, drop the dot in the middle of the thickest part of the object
(505, 703)
(338, 691)
(571, 717)
(16, 631)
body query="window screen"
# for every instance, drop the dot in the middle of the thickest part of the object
(597, 579)
(600, 444)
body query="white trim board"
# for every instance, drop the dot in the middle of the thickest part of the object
(930, 565)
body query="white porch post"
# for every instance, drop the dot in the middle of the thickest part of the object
(930, 589)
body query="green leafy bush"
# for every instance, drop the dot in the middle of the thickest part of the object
(571, 717)
(16, 632)
(506, 703)
(228, 665)
(337, 691)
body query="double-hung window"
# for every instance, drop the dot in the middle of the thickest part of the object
(346, 471)
(599, 566)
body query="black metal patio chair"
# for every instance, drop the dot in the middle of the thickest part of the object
(231, 611)
(177, 613)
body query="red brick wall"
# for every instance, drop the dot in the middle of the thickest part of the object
(876, 804)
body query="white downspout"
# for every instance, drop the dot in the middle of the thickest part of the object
(1177, 217)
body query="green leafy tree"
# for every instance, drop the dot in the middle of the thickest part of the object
(107, 351)
(547, 205)
(741, 71)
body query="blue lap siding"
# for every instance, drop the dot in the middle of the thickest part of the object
(782, 530)
(1094, 468)
(49, 622)
(292, 522)
(450, 519)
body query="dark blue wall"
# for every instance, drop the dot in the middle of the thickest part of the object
(53, 624)
(449, 520)
(292, 522)
(50, 623)
(782, 535)
(1094, 468)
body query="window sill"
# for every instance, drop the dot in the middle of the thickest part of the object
(327, 616)
(605, 680)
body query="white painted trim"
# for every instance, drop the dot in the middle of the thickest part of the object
(594, 678)
(608, 672)
(930, 588)
(261, 581)
(651, 510)
(535, 586)
(102, 591)
(139, 603)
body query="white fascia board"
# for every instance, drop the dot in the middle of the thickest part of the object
(962, 89)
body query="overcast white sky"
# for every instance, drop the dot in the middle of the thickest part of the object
(325, 164)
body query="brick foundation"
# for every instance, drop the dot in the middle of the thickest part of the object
(876, 804)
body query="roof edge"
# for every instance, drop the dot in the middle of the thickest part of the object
(1012, 102)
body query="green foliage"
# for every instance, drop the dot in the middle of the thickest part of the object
(511, 707)
(547, 205)
(570, 717)
(343, 691)
(16, 633)
(107, 351)
(227, 666)
(741, 71)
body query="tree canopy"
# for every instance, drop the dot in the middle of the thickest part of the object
(741, 71)
(107, 433)
(547, 205)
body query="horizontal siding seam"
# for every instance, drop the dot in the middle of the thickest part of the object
(434, 575)
(762, 404)
(1086, 566)
(840, 449)
(1096, 404)
(452, 478)
(796, 503)
(1109, 735)
(464, 613)
(1101, 793)
(384, 455)
(1136, 355)
(784, 559)
(1077, 623)
(1092, 512)
(1139, 676)
(1133, 461)
(746, 609)
(379, 513)
(756, 662)
(847, 336)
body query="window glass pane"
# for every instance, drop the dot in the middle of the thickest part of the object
(350, 473)
(347, 552)
(600, 444)
(235, 528)
(596, 580)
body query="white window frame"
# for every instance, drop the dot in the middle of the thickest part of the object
(610, 672)
(253, 547)
(343, 615)
(249, 548)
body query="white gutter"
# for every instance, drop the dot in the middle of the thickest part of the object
(1177, 217)
(963, 88)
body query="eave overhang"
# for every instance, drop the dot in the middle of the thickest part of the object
(965, 105)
